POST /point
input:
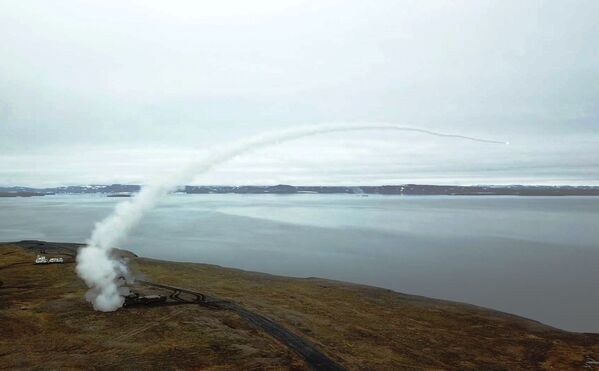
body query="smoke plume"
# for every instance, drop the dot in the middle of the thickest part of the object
(103, 273)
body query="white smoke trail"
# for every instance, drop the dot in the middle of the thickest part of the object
(102, 272)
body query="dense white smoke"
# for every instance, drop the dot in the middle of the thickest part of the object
(103, 272)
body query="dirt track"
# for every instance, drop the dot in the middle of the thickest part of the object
(313, 357)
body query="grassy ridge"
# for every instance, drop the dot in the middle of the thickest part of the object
(45, 320)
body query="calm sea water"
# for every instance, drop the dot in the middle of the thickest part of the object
(532, 256)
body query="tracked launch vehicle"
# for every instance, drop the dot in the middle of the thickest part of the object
(134, 299)
(41, 259)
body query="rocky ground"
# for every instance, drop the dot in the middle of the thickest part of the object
(46, 323)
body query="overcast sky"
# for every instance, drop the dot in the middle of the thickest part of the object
(125, 91)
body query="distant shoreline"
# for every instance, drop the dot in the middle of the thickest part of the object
(125, 190)
(24, 194)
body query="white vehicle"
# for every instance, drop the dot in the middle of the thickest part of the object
(41, 259)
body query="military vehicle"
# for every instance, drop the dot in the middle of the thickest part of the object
(41, 259)
(134, 299)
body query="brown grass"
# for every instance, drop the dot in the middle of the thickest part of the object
(44, 321)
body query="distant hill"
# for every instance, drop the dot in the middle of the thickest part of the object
(22, 194)
(407, 189)
(403, 189)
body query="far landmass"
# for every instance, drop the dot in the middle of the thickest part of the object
(125, 190)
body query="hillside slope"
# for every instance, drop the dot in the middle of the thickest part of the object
(44, 320)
